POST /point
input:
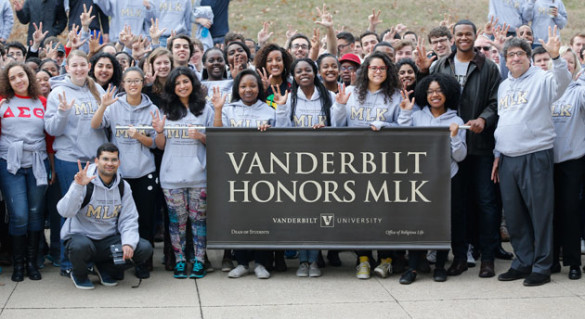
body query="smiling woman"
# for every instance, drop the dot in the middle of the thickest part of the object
(105, 70)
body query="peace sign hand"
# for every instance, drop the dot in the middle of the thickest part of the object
(406, 104)
(108, 97)
(265, 78)
(278, 97)
(553, 45)
(342, 97)
(158, 124)
(63, 105)
(81, 177)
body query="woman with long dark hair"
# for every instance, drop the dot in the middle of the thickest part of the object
(273, 64)
(105, 70)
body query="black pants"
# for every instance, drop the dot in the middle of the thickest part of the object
(82, 250)
(244, 256)
(144, 193)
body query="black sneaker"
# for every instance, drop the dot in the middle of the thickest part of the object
(536, 279)
(198, 270)
(512, 274)
(408, 277)
(440, 275)
(141, 271)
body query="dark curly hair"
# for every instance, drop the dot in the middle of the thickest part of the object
(5, 87)
(412, 64)
(172, 105)
(324, 94)
(449, 86)
(389, 86)
(262, 56)
(116, 76)
(238, 79)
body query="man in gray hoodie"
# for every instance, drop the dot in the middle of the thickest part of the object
(524, 141)
(109, 219)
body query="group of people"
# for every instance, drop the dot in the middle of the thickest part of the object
(109, 137)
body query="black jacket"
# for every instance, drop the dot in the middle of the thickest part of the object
(479, 98)
(50, 12)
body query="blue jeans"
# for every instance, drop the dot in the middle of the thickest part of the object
(65, 174)
(309, 255)
(24, 199)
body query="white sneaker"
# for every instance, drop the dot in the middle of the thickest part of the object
(314, 270)
(470, 259)
(303, 270)
(432, 256)
(261, 272)
(238, 272)
(384, 269)
(363, 270)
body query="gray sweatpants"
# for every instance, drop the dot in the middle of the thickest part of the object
(527, 187)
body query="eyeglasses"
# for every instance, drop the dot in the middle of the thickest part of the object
(437, 41)
(377, 68)
(347, 68)
(300, 46)
(431, 92)
(341, 46)
(136, 81)
(485, 48)
(518, 53)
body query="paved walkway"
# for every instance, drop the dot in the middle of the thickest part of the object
(337, 294)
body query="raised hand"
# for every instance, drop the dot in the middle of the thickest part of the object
(146, 4)
(315, 38)
(81, 177)
(500, 36)
(553, 45)
(238, 66)
(18, 4)
(154, 31)
(326, 17)
(400, 28)
(389, 36)
(490, 26)
(126, 36)
(139, 48)
(341, 97)
(158, 124)
(290, 31)
(278, 97)
(51, 50)
(94, 43)
(406, 104)
(86, 17)
(217, 99)
(108, 97)
(38, 35)
(74, 38)
(149, 77)
(265, 78)
(263, 34)
(422, 61)
(374, 20)
(63, 105)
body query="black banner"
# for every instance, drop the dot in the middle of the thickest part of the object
(338, 188)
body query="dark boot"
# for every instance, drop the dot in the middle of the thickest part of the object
(32, 251)
(18, 249)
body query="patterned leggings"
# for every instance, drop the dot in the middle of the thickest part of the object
(183, 204)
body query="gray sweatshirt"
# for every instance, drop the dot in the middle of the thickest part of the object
(127, 12)
(307, 111)
(424, 117)
(105, 215)
(174, 15)
(238, 114)
(508, 12)
(568, 115)
(74, 137)
(184, 161)
(537, 12)
(225, 87)
(525, 124)
(374, 111)
(136, 160)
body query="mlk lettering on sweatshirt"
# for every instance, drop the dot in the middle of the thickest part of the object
(225, 88)
(375, 110)
(74, 137)
(174, 15)
(238, 114)
(105, 215)
(23, 139)
(136, 160)
(568, 115)
(184, 160)
(525, 123)
(127, 12)
(308, 112)
(424, 117)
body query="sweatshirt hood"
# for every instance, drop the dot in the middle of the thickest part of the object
(445, 116)
(531, 70)
(144, 103)
(64, 80)
(301, 95)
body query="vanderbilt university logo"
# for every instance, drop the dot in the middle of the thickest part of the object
(327, 220)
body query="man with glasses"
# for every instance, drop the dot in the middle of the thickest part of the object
(349, 64)
(345, 43)
(524, 140)
(15, 51)
(441, 41)
(483, 45)
(299, 46)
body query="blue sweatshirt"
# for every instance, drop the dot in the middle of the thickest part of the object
(509, 12)
(184, 161)
(174, 15)
(7, 19)
(524, 107)
(307, 111)
(568, 115)
(537, 12)
(136, 160)
(238, 114)
(424, 117)
(74, 137)
(127, 12)
(105, 215)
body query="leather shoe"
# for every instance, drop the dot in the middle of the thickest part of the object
(575, 273)
(512, 274)
(501, 253)
(408, 277)
(487, 269)
(440, 275)
(536, 279)
(457, 267)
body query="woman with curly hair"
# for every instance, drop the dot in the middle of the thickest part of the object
(105, 70)
(273, 64)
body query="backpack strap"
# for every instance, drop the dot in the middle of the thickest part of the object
(89, 193)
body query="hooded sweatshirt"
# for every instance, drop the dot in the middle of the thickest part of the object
(424, 117)
(568, 115)
(127, 12)
(238, 114)
(174, 15)
(105, 215)
(136, 160)
(74, 137)
(307, 111)
(525, 124)
(374, 111)
(508, 12)
(537, 12)
(184, 161)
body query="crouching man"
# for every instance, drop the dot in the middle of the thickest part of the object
(101, 213)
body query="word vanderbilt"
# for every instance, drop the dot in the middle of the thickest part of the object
(342, 177)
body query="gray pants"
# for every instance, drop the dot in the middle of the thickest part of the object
(526, 183)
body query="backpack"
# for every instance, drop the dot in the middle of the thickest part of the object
(89, 192)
